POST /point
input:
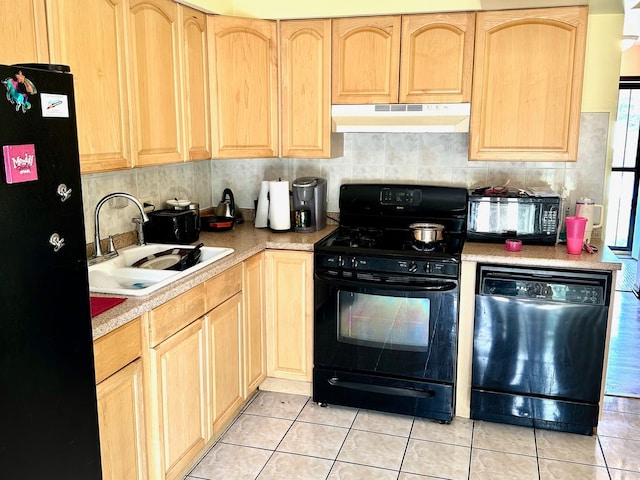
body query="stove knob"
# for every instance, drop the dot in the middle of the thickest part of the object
(427, 267)
(340, 261)
(413, 268)
(354, 262)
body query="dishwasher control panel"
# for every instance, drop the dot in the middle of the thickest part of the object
(553, 291)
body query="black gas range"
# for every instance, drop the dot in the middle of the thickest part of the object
(386, 305)
(374, 231)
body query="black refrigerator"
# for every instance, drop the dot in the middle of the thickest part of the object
(48, 410)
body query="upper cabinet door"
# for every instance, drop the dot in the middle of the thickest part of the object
(436, 57)
(93, 44)
(24, 30)
(305, 87)
(244, 87)
(365, 60)
(196, 81)
(156, 87)
(527, 84)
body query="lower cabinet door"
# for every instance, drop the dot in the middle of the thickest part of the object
(178, 367)
(227, 372)
(289, 319)
(121, 422)
(253, 291)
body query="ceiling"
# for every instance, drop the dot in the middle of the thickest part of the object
(630, 8)
(631, 18)
(597, 7)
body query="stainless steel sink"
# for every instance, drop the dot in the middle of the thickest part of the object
(118, 276)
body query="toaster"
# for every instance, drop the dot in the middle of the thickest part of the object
(172, 226)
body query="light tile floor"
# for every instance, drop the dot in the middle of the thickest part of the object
(282, 436)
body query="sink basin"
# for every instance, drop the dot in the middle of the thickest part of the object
(118, 276)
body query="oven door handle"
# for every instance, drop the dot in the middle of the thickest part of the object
(367, 387)
(407, 287)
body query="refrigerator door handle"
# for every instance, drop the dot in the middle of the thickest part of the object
(57, 241)
(64, 192)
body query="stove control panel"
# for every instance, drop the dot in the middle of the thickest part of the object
(431, 267)
(400, 196)
(381, 265)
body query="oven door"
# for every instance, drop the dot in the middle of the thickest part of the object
(398, 329)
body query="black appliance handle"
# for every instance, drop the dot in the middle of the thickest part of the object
(366, 387)
(403, 286)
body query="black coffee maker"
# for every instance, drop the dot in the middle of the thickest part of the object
(309, 204)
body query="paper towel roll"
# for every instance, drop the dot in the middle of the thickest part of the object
(262, 211)
(279, 215)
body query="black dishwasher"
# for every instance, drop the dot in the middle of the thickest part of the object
(538, 346)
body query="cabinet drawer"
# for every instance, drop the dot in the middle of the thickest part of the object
(117, 349)
(223, 286)
(172, 316)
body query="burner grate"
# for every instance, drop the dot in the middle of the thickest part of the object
(427, 247)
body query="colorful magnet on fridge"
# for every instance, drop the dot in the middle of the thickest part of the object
(18, 91)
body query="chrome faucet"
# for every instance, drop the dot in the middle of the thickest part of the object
(143, 218)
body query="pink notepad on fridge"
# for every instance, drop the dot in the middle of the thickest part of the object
(20, 163)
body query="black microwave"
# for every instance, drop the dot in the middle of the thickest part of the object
(495, 218)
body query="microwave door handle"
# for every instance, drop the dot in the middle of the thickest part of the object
(411, 287)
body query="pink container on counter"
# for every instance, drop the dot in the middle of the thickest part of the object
(575, 234)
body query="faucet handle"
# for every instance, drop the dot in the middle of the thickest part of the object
(112, 247)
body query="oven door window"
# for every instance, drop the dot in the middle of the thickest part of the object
(384, 321)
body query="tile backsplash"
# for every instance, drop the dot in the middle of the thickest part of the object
(426, 158)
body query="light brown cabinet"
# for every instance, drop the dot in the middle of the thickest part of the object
(196, 371)
(177, 383)
(196, 84)
(436, 57)
(121, 424)
(197, 358)
(91, 37)
(121, 403)
(226, 361)
(527, 84)
(244, 87)
(305, 86)
(245, 90)
(24, 31)
(179, 365)
(225, 333)
(145, 112)
(289, 283)
(407, 59)
(155, 82)
(253, 291)
(365, 60)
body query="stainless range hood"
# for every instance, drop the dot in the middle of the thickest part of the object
(428, 117)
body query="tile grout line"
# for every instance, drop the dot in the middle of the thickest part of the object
(535, 446)
(406, 447)
(473, 432)
(351, 427)
(283, 437)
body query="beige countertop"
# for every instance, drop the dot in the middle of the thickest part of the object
(542, 256)
(246, 242)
